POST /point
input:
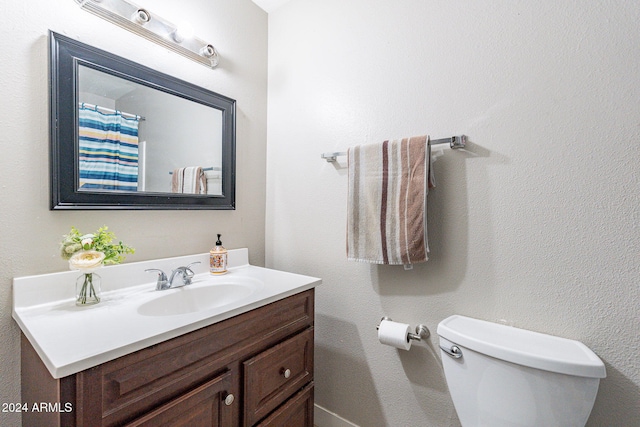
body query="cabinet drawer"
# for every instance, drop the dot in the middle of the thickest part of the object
(296, 412)
(203, 407)
(274, 375)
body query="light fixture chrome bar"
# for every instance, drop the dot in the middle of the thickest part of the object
(454, 142)
(152, 27)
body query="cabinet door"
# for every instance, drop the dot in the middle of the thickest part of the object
(208, 405)
(296, 412)
(274, 375)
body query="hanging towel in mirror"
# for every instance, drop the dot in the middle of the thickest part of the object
(191, 180)
(387, 201)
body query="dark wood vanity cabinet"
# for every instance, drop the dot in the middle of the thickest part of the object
(254, 369)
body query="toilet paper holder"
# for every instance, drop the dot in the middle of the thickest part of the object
(422, 332)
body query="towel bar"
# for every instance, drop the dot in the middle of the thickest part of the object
(455, 142)
(213, 168)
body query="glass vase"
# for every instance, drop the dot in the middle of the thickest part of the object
(88, 289)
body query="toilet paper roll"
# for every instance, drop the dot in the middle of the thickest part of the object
(394, 334)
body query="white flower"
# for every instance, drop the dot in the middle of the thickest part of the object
(86, 261)
(86, 241)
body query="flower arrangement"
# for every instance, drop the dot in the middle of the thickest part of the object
(101, 241)
(88, 252)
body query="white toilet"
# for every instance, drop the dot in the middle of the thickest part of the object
(501, 376)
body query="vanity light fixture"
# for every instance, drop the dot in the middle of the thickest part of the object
(138, 20)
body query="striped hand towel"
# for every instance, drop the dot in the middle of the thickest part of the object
(191, 180)
(387, 202)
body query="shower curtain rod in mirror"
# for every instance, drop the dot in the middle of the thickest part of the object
(111, 111)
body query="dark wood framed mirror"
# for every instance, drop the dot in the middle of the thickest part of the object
(124, 136)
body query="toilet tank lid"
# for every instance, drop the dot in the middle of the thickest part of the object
(523, 347)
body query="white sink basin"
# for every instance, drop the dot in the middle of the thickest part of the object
(199, 296)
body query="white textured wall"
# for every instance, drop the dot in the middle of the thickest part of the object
(537, 223)
(30, 233)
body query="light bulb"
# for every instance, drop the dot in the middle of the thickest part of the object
(211, 53)
(141, 16)
(184, 31)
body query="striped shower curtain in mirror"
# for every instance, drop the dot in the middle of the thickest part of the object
(108, 150)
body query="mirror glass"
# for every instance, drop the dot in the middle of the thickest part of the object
(127, 137)
(151, 144)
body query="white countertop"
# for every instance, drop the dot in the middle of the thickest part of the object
(70, 339)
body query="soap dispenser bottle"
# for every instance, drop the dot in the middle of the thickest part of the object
(218, 258)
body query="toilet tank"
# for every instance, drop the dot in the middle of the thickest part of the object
(508, 377)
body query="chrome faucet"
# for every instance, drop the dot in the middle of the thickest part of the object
(185, 274)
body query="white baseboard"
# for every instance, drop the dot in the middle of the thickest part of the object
(325, 418)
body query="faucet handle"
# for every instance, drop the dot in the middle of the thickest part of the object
(188, 273)
(163, 282)
(188, 267)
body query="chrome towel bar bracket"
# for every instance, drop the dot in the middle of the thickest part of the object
(332, 157)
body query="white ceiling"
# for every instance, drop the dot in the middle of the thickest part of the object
(270, 5)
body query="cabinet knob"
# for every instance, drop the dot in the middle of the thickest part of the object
(229, 399)
(286, 372)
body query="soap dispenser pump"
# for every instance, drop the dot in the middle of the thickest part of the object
(218, 258)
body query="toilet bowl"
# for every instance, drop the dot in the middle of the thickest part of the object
(501, 376)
